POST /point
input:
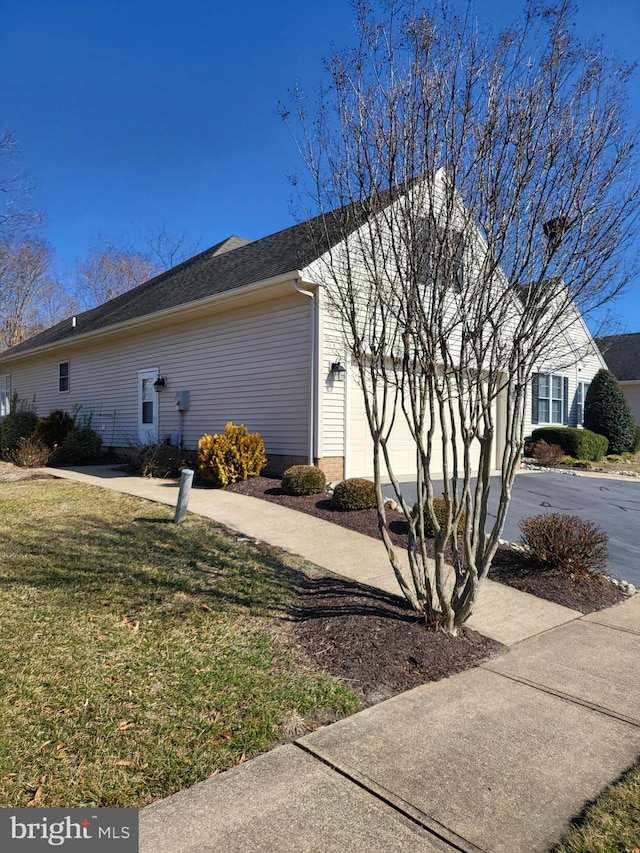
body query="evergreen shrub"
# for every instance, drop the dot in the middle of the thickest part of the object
(440, 511)
(231, 456)
(577, 443)
(53, 429)
(19, 423)
(607, 412)
(303, 480)
(354, 493)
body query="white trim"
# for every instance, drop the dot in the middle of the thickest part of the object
(150, 435)
(5, 394)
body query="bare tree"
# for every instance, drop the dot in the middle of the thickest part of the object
(30, 298)
(478, 192)
(167, 249)
(108, 271)
(16, 217)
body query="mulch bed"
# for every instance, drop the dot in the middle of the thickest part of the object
(585, 593)
(579, 591)
(373, 641)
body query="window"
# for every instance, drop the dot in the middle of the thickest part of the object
(63, 376)
(5, 386)
(549, 398)
(581, 393)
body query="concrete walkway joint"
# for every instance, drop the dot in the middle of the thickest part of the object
(497, 759)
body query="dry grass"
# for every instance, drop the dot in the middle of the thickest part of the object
(137, 654)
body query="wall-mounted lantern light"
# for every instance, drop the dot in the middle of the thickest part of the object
(338, 371)
(160, 384)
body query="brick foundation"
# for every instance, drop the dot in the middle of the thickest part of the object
(333, 467)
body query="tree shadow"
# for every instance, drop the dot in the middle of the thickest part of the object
(331, 596)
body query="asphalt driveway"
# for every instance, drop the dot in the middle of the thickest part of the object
(613, 504)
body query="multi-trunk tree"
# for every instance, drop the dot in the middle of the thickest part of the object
(478, 191)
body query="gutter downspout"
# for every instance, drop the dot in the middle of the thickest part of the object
(313, 402)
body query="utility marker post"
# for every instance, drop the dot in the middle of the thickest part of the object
(186, 479)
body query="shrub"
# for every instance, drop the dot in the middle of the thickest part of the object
(159, 460)
(558, 541)
(355, 493)
(19, 423)
(440, 511)
(30, 453)
(81, 445)
(303, 480)
(53, 429)
(232, 456)
(636, 439)
(607, 412)
(577, 443)
(546, 454)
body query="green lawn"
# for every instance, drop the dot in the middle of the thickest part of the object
(138, 656)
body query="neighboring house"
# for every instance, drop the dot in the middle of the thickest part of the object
(622, 356)
(558, 389)
(240, 333)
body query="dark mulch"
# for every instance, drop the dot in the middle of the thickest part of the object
(585, 593)
(579, 591)
(373, 642)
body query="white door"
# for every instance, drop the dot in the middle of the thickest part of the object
(147, 407)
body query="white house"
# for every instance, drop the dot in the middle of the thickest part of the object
(558, 389)
(240, 333)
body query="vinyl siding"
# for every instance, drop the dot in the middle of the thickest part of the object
(632, 393)
(247, 365)
(577, 358)
(332, 392)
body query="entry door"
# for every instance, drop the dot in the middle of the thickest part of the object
(147, 407)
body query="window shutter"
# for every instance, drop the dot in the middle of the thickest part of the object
(565, 401)
(534, 400)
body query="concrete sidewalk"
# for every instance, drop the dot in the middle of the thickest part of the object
(502, 613)
(498, 758)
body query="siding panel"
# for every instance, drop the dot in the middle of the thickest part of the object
(247, 365)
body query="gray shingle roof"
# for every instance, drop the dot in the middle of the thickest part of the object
(622, 355)
(228, 265)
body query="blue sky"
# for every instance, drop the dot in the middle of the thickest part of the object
(133, 115)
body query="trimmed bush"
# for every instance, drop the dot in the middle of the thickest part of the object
(440, 512)
(53, 429)
(607, 412)
(30, 453)
(354, 493)
(636, 439)
(558, 541)
(577, 443)
(546, 454)
(232, 456)
(303, 480)
(19, 423)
